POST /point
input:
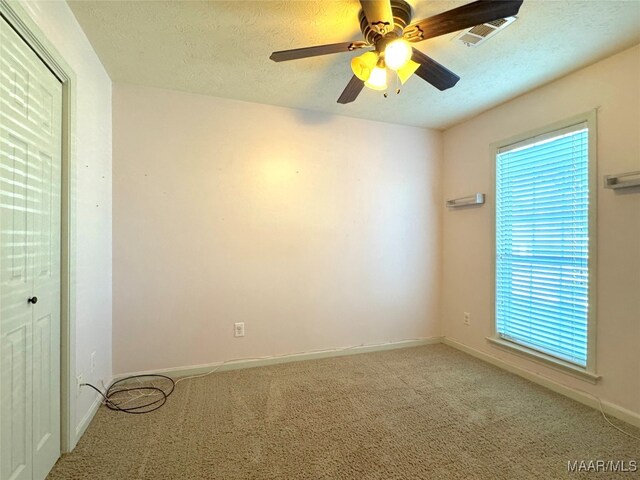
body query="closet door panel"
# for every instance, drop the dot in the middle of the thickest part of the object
(30, 164)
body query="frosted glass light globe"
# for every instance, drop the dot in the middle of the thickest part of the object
(397, 54)
(377, 79)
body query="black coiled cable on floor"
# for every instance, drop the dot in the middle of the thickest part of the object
(113, 392)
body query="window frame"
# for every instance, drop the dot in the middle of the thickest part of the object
(587, 373)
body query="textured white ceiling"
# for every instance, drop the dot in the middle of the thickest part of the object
(222, 48)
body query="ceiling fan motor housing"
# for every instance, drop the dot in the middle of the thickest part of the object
(402, 13)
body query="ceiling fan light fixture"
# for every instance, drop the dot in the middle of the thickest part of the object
(378, 79)
(408, 69)
(363, 65)
(397, 54)
(387, 26)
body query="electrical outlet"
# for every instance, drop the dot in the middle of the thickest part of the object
(93, 362)
(467, 318)
(79, 383)
(238, 329)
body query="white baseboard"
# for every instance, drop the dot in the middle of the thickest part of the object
(86, 420)
(577, 395)
(276, 359)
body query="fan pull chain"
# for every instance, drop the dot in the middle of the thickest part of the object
(386, 95)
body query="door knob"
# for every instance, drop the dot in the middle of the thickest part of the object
(33, 300)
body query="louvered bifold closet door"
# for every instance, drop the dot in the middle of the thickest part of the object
(542, 243)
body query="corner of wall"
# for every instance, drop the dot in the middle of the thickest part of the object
(90, 212)
(441, 212)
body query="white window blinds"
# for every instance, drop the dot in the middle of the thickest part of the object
(542, 243)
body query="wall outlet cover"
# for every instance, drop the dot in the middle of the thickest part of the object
(79, 382)
(238, 329)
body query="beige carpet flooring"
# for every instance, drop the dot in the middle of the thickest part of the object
(418, 413)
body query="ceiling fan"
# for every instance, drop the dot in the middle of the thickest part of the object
(385, 27)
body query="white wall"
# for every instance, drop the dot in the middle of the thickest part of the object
(611, 86)
(317, 231)
(93, 194)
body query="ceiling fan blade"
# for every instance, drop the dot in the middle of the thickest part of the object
(351, 91)
(379, 15)
(431, 71)
(306, 52)
(467, 16)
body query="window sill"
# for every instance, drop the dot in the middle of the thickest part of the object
(544, 359)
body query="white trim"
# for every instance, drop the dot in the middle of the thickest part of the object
(543, 358)
(86, 420)
(553, 134)
(577, 395)
(590, 118)
(22, 22)
(286, 358)
(592, 124)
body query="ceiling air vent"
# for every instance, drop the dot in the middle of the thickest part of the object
(480, 33)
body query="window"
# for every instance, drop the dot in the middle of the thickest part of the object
(543, 242)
